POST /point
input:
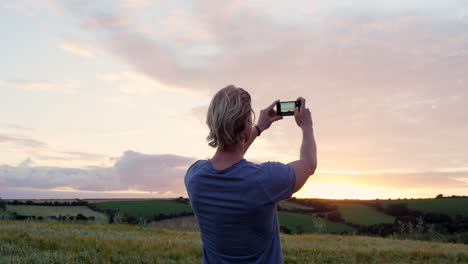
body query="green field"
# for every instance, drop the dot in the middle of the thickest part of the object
(363, 214)
(146, 208)
(45, 211)
(293, 206)
(33, 242)
(449, 206)
(310, 224)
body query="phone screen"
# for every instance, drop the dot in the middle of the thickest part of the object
(288, 107)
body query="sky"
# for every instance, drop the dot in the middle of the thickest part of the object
(108, 99)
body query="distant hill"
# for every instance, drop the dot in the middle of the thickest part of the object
(450, 206)
(444, 219)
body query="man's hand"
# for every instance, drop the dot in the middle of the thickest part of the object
(268, 116)
(302, 115)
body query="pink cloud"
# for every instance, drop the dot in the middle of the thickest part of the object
(131, 171)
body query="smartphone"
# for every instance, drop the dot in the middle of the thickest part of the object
(287, 108)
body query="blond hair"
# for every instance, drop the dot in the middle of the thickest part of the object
(228, 111)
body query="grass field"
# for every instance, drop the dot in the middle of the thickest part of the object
(363, 214)
(450, 206)
(310, 224)
(146, 208)
(292, 205)
(33, 242)
(183, 223)
(45, 211)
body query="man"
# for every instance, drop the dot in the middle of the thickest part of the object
(234, 200)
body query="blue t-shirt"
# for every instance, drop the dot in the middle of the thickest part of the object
(236, 209)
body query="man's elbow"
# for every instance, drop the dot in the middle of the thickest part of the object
(311, 172)
(312, 168)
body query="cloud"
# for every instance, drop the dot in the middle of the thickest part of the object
(78, 48)
(69, 156)
(397, 74)
(26, 163)
(128, 132)
(105, 21)
(132, 171)
(83, 155)
(14, 127)
(133, 82)
(41, 151)
(126, 101)
(333, 52)
(182, 26)
(135, 3)
(29, 6)
(23, 141)
(60, 86)
(153, 172)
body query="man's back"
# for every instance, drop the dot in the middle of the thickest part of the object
(236, 209)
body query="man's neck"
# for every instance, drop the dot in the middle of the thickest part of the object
(223, 159)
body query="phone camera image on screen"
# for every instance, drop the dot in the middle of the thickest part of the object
(287, 108)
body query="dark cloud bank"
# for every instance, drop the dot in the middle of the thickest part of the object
(159, 174)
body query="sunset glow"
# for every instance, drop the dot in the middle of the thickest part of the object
(341, 191)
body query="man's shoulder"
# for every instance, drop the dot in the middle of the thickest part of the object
(191, 171)
(196, 165)
(271, 165)
(267, 166)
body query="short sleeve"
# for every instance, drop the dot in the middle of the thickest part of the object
(189, 173)
(277, 180)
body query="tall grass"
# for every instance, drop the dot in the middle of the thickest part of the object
(33, 242)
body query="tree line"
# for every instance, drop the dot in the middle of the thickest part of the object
(77, 217)
(49, 203)
(2, 205)
(115, 216)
